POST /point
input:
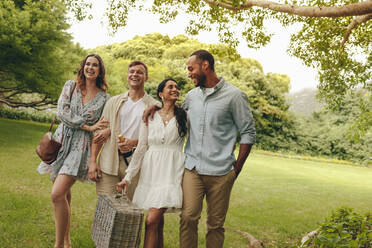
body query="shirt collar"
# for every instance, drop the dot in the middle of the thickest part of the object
(125, 96)
(218, 86)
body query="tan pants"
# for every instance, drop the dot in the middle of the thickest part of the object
(217, 190)
(107, 183)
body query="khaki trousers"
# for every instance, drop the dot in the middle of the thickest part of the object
(107, 183)
(217, 191)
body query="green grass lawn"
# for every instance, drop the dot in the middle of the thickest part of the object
(275, 199)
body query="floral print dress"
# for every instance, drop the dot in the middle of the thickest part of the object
(73, 157)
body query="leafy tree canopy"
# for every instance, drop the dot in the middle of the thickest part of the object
(334, 133)
(36, 54)
(335, 35)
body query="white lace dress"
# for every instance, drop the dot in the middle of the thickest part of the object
(160, 159)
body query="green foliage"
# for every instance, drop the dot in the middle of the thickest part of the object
(340, 68)
(36, 54)
(332, 132)
(363, 124)
(79, 8)
(27, 114)
(344, 229)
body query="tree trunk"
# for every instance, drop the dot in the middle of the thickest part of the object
(355, 9)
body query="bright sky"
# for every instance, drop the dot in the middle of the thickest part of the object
(273, 57)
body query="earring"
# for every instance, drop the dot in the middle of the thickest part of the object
(162, 98)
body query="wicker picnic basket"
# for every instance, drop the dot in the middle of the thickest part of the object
(117, 223)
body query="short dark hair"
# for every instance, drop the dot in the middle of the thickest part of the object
(138, 62)
(204, 55)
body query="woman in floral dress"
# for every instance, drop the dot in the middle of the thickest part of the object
(159, 156)
(79, 109)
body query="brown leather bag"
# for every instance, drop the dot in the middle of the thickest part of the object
(48, 148)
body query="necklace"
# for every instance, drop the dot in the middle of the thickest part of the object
(166, 116)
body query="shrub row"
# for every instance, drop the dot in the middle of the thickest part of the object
(290, 155)
(27, 114)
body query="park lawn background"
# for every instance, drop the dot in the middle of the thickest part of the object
(275, 199)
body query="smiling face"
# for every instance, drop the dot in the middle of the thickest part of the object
(91, 68)
(137, 76)
(170, 91)
(194, 66)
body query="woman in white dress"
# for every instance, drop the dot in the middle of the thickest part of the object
(160, 158)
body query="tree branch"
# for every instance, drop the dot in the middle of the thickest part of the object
(11, 95)
(16, 90)
(356, 21)
(6, 90)
(33, 104)
(356, 9)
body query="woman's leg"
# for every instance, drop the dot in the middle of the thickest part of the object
(60, 190)
(153, 219)
(161, 233)
(67, 241)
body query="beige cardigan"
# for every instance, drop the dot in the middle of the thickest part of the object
(109, 158)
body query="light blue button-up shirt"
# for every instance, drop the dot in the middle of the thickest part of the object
(215, 121)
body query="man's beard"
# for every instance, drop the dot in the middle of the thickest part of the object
(201, 79)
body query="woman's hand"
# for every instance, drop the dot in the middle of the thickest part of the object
(123, 185)
(100, 124)
(94, 172)
(101, 136)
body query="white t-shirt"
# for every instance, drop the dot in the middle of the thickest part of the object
(208, 91)
(130, 118)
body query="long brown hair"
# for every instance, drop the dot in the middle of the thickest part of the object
(180, 113)
(101, 78)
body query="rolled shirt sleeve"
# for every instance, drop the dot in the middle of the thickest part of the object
(243, 118)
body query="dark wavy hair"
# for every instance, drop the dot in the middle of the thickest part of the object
(179, 112)
(101, 78)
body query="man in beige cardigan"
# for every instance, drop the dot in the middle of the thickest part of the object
(124, 112)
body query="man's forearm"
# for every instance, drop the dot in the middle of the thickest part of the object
(244, 151)
(96, 147)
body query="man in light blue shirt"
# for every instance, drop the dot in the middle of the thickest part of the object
(218, 112)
